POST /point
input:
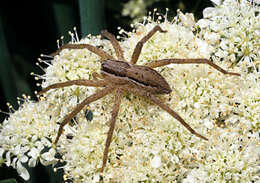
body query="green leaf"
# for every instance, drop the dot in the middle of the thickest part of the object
(65, 18)
(92, 17)
(7, 70)
(8, 181)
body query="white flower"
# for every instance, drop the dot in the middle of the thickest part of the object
(208, 13)
(156, 162)
(34, 154)
(202, 23)
(197, 105)
(48, 158)
(1, 154)
(187, 20)
(217, 2)
(22, 171)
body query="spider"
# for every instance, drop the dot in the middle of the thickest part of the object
(122, 76)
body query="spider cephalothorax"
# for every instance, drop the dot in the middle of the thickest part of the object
(123, 76)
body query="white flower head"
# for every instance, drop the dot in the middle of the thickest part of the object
(24, 135)
(148, 144)
(232, 27)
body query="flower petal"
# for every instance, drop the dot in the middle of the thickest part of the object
(22, 171)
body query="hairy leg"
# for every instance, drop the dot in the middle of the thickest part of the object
(112, 126)
(104, 55)
(163, 62)
(140, 44)
(115, 44)
(79, 82)
(80, 106)
(156, 101)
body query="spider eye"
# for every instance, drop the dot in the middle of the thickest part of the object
(89, 115)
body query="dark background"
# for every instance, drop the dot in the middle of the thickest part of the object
(29, 28)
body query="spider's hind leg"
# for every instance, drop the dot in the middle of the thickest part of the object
(140, 44)
(156, 101)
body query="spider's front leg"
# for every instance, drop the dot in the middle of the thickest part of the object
(79, 82)
(80, 106)
(155, 100)
(140, 44)
(163, 62)
(115, 44)
(104, 55)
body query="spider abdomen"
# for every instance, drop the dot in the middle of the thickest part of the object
(144, 77)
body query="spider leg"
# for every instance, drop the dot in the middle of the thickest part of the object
(97, 76)
(115, 44)
(156, 101)
(163, 62)
(104, 55)
(79, 82)
(112, 126)
(140, 44)
(80, 106)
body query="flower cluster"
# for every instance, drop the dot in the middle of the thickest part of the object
(24, 136)
(137, 9)
(233, 28)
(148, 144)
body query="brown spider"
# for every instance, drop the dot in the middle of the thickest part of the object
(124, 77)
